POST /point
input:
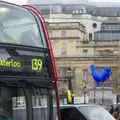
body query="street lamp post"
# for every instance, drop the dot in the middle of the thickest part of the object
(103, 95)
(94, 94)
(69, 75)
(85, 87)
(85, 94)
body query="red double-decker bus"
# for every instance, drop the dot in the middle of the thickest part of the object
(28, 77)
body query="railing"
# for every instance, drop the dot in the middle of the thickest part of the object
(98, 43)
(79, 16)
(89, 57)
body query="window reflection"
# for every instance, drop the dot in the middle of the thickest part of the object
(40, 101)
(107, 36)
(109, 31)
(78, 9)
(40, 110)
(11, 99)
(19, 105)
(97, 113)
(25, 30)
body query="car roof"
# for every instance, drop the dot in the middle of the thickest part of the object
(77, 105)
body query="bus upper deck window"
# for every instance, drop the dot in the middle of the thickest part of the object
(19, 26)
(28, 38)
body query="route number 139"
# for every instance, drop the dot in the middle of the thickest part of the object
(36, 64)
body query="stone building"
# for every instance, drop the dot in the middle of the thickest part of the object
(72, 47)
(67, 39)
(99, 45)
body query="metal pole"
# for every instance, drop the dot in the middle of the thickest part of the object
(94, 94)
(85, 87)
(69, 75)
(84, 94)
(70, 86)
(103, 95)
(50, 11)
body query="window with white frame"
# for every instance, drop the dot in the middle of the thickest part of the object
(85, 74)
(64, 48)
(63, 33)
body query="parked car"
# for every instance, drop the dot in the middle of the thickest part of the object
(84, 112)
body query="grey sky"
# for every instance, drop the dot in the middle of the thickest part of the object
(74, 1)
(105, 0)
(63, 1)
(19, 2)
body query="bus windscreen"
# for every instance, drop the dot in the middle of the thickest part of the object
(28, 76)
(21, 27)
(18, 26)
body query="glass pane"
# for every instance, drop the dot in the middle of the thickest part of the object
(55, 116)
(25, 30)
(71, 114)
(19, 105)
(25, 63)
(5, 103)
(40, 101)
(43, 102)
(11, 101)
(40, 111)
(97, 113)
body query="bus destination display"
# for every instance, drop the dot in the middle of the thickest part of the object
(36, 64)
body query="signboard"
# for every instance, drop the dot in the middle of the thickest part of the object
(23, 63)
(35, 64)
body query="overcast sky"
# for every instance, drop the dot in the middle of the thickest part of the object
(25, 1)
(17, 1)
(105, 0)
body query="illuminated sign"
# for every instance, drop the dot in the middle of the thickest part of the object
(23, 63)
(9, 63)
(36, 64)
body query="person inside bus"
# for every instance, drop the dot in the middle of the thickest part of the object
(29, 38)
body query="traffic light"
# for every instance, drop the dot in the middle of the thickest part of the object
(118, 98)
(70, 97)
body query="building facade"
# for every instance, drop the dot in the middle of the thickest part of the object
(65, 37)
(81, 35)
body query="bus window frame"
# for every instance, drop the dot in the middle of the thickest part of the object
(40, 16)
(48, 45)
(39, 21)
(40, 25)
